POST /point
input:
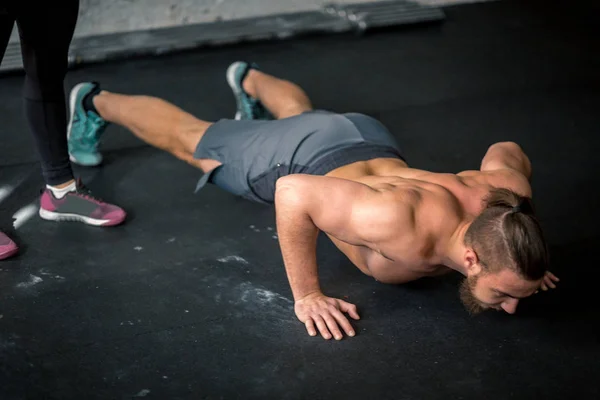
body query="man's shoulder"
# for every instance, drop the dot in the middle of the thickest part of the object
(499, 178)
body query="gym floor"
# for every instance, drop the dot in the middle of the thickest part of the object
(189, 299)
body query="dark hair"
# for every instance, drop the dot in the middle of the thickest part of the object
(507, 234)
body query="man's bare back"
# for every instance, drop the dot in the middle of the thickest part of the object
(396, 224)
(438, 203)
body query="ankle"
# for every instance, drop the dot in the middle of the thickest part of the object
(62, 185)
(248, 83)
(100, 101)
(89, 99)
(60, 191)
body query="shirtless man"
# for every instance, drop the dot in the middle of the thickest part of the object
(344, 175)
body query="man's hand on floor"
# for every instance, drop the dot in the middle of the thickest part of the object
(318, 311)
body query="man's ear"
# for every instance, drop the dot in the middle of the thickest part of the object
(471, 262)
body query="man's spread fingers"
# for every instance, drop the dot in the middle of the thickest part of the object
(310, 327)
(333, 326)
(322, 327)
(350, 309)
(344, 323)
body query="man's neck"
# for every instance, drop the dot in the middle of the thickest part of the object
(454, 249)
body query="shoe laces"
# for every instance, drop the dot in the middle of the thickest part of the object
(86, 193)
(95, 127)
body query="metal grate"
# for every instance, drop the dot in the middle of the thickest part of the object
(333, 18)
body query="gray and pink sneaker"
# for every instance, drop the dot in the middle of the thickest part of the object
(80, 205)
(8, 248)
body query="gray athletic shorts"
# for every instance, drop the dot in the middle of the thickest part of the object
(255, 154)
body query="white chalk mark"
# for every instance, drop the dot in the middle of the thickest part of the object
(33, 280)
(262, 296)
(257, 230)
(187, 311)
(171, 240)
(266, 296)
(24, 215)
(5, 191)
(138, 248)
(143, 393)
(165, 377)
(232, 258)
(1, 316)
(269, 228)
(252, 227)
(275, 237)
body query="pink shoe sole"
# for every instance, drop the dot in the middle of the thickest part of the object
(9, 253)
(115, 222)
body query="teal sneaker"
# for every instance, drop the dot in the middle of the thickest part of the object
(247, 107)
(85, 128)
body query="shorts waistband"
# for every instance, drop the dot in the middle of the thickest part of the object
(351, 154)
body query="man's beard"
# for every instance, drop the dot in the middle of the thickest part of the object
(467, 297)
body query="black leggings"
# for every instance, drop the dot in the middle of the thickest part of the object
(46, 30)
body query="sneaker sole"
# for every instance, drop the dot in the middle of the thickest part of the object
(72, 101)
(230, 75)
(76, 161)
(9, 253)
(64, 217)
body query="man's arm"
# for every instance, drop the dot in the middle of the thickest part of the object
(509, 157)
(506, 155)
(304, 204)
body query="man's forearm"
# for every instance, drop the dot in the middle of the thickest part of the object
(298, 240)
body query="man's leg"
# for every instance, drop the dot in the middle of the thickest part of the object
(282, 98)
(169, 128)
(156, 122)
(258, 93)
(162, 124)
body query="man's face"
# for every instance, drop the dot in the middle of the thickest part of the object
(499, 290)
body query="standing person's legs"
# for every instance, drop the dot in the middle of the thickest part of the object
(46, 31)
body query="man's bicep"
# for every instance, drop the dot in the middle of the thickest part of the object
(506, 155)
(331, 203)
